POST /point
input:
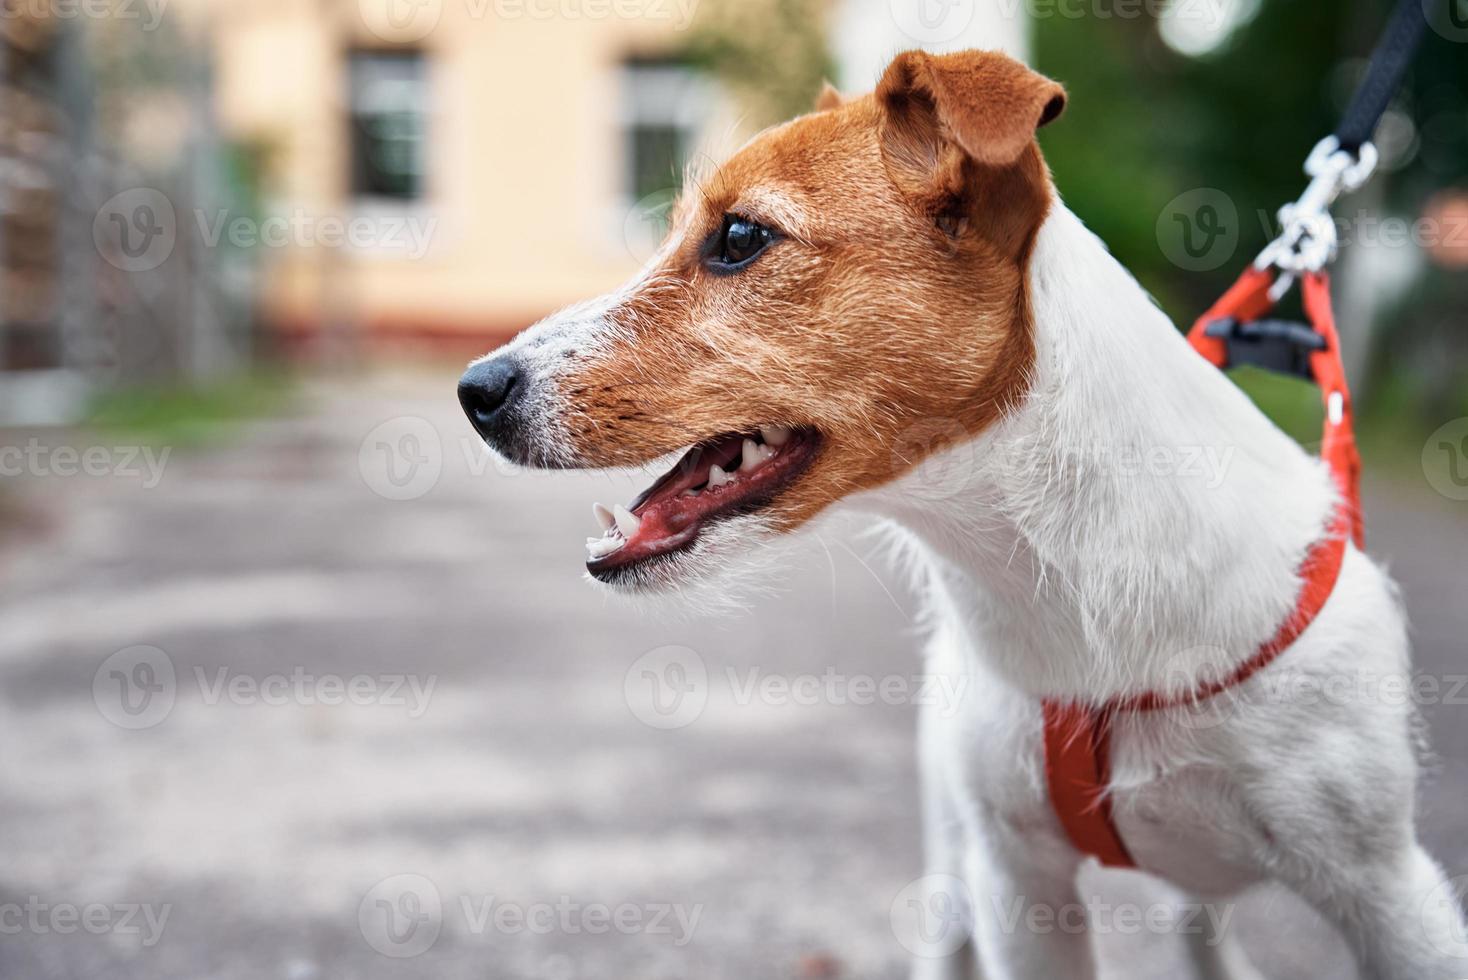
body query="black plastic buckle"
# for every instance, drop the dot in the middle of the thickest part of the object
(1275, 345)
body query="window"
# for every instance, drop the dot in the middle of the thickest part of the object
(664, 104)
(388, 105)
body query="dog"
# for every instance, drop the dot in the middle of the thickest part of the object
(884, 304)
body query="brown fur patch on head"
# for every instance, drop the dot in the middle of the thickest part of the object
(893, 296)
(980, 103)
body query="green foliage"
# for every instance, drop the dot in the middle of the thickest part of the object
(771, 54)
(1293, 404)
(1146, 124)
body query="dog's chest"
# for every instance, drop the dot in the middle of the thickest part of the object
(1180, 821)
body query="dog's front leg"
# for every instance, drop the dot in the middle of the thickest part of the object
(944, 849)
(1400, 912)
(1216, 954)
(1021, 917)
(1028, 918)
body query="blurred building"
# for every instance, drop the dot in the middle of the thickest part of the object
(452, 171)
(187, 186)
(497, 159)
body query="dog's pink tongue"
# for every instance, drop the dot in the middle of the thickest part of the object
(667, 518)
(673, 510)
(709, 479)
(663, 525)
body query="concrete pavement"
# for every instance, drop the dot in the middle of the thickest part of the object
(394, 717)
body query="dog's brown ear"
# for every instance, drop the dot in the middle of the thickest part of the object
(829, 98)
(938, 108)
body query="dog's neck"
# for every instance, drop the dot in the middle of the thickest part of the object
(1136, 521)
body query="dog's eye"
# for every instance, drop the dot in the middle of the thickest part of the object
(738, 243)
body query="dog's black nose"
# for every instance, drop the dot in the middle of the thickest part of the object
(485, 390)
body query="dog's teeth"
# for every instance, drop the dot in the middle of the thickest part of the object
(753, 455)
(717, 477)
(603, 517)
(690, 493)
(774, 435)
(597, 547)
(627, 522)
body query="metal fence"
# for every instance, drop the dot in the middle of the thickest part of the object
(101, 285)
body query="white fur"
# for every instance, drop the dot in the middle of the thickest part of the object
(545, 352)
(1052, 568)
(732, 562)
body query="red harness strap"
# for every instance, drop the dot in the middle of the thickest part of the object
(1077, 735)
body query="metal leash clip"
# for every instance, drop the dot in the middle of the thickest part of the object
(1308, 241)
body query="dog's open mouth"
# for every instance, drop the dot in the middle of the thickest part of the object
(736, 473)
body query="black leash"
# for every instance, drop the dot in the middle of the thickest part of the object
(1236, 330)
(1384, 74)
(1344, 160)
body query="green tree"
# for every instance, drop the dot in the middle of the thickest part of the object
(1147, 123)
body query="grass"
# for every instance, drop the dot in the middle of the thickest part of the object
(1293, 404)
(1389, 433)
(191, 417)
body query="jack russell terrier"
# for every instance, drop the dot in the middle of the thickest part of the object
(884, 304)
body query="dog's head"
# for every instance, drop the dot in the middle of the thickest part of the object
(843, 278)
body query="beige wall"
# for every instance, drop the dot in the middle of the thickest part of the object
(523, 195)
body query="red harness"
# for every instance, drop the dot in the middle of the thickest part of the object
(1078, 736)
